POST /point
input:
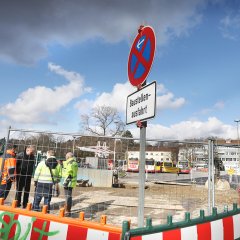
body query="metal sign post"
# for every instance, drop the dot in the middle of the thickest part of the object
(213, 174)
(211, 182)
(209, 177)
(141, 197)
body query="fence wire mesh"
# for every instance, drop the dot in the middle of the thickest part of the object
(176, 176)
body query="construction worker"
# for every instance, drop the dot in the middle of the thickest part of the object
(8, 172)
(69, 180)
(46, 175)
(25, 167)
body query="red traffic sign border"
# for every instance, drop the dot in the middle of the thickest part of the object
(150, 35)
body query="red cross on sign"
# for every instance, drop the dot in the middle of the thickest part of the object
(141, 56)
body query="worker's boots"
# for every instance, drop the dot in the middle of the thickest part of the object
(67, 210)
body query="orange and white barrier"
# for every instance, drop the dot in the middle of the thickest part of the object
(25, 224)
(227, 228)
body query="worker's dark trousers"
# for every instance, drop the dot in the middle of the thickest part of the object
(23, 186)
(4, 189)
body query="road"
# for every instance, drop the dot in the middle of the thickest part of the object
(197, 176)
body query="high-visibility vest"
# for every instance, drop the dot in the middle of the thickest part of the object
(9, 169)
(43, 175)
(70, 169)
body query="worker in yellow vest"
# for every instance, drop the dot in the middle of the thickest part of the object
(69, 180)
(46, 175)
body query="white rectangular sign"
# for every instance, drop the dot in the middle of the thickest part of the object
(141, 105)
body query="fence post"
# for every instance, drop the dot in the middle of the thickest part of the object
(187, 217)
(81, 216)
(61, 212)
(14, 203)
(103, 219)
(214, 211)
(235, 207)
(125, 229)
(29, 207)
(169, 220)
(149, 222)
(202, 214)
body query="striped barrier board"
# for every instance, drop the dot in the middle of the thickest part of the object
(227, 228)
(20, 226)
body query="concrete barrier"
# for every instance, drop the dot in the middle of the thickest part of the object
(96, 177)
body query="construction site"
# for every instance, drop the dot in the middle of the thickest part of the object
(104, 188)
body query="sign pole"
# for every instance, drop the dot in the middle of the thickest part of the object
(141, 197)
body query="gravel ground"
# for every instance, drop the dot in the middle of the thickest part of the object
(121, 204)
(161, 200)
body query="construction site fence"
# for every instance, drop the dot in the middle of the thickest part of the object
(218, 226)
(171, 195)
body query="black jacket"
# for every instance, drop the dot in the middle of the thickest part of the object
(25, 164)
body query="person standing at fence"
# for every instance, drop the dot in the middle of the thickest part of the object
(25, 166)
(46, 175)
(69, 180)
(8, 173)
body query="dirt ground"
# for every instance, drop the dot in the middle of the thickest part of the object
(120, 204)
(161, 200)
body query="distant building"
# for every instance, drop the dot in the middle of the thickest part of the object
(159, 154)
(226, 151)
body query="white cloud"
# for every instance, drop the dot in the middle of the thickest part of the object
(168, 101)
(84, 105)
(161, 88)
(71, 22)
(219, 105)
(118, 97)
(189, 130)
(36, 105)
(230, 26)
(206, 111)
(4, 125)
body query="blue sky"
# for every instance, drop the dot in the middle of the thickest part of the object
(58, 59)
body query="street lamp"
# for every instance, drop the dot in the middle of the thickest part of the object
(237, 121)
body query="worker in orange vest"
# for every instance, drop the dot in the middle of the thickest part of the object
(8, 172)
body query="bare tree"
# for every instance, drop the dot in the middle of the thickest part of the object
(103, 121)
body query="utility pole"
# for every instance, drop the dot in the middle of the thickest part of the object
(237, 121)
(114, 153)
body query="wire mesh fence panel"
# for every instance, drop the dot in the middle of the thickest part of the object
(107, 179)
